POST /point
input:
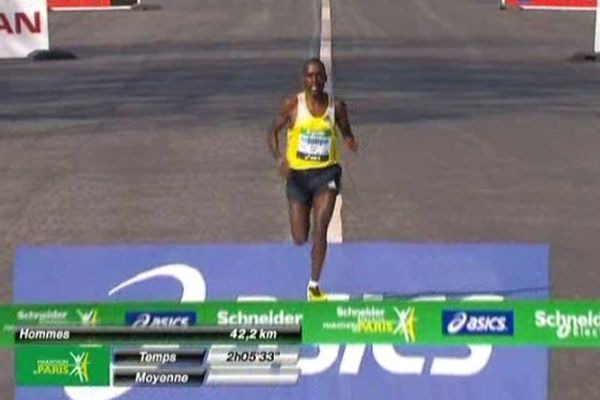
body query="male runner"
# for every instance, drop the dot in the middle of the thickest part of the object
(310, 164)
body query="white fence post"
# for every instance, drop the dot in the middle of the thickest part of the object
(597, 35)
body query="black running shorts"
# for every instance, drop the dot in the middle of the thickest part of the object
(303, 185)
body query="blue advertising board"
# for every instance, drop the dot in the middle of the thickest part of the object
(280, 271)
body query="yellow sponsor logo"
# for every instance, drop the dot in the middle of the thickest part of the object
(375, 327)
(403, 325)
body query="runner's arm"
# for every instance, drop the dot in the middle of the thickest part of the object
(283, 118)
(342, 121)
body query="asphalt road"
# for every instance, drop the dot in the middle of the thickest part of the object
(474, 128)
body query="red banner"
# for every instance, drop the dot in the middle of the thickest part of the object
(78, 3)
(552, 4)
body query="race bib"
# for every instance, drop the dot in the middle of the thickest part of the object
(314, 147)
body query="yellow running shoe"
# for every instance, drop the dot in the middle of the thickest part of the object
(315, 294)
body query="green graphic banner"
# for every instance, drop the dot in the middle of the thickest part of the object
(543, 323)
(62, 366)
(557, 324)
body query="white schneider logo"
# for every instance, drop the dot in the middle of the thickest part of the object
(569, 325)
(55, 316)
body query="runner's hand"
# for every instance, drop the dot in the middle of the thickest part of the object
(283, 167)
(351, 144)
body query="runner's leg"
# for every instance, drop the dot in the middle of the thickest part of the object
(323, 204)
(299, 221)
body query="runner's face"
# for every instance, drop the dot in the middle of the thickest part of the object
(314, 78)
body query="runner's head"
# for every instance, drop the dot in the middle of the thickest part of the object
(314, 76)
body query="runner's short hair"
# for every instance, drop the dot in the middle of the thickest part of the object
(313, 61)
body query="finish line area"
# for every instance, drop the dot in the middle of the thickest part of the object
(378, 285)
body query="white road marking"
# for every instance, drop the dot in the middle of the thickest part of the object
(334, 233)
